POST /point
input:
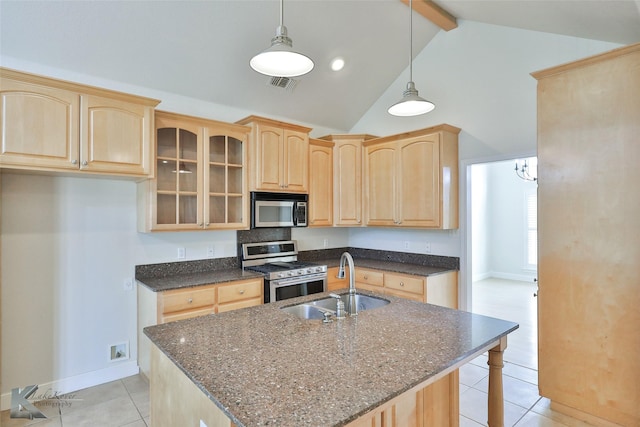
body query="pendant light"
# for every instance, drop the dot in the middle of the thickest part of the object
(411, 104)
(280, 60)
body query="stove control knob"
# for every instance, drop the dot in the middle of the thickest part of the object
(281, 275)
(292, 273)
(309, 270)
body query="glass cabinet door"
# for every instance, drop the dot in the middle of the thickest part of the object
(225, 163)
(177, 172)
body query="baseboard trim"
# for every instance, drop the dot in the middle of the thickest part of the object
(511, 276)
(78, 382)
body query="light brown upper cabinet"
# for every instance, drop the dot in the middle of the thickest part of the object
(279, 156)
(320, 183)
(201, 176)
(54, 125)
(347, 178)
(411, 179)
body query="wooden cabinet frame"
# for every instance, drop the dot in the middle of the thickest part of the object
(54, 125)
(278, 156)
(201, 166)
(411, 179)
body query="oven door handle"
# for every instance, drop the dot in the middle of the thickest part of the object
(298, 279)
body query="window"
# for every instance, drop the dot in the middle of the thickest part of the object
(531, 222)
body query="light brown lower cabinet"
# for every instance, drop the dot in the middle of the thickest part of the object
(439, 289)
(433, 405)
(177, 304)
(333, 282)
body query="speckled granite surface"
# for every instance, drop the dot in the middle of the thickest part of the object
(187, 280)
(263, 366)
(185, 274)
(332, 257)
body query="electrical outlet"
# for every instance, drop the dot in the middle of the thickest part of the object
(407, 245)
(119, 352)
(326, 243)
(211, 251)
(128, 284)
(182, 253)
(427, 248)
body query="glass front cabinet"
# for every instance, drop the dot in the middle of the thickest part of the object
(200, 176)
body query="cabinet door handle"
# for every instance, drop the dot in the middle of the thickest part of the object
(85, 163)
(74, 161)
(401, 283)
(241, 291)
(190, 300)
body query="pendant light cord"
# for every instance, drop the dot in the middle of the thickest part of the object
(281, 12)
(410, 40)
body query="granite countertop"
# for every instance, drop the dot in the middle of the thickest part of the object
(187, 280)
(263, 366)
(394, 266)
(168, 276)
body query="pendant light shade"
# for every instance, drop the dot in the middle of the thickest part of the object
(280, 60)
(411, 104)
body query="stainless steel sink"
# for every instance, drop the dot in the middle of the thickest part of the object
(314, 309)
(304, 311)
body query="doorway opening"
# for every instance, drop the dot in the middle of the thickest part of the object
(502, 210)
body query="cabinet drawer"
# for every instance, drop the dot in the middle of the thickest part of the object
(240, 291)
(187, 299)
(239, 304)
(370, 277)
(403, 283)
(188, 314)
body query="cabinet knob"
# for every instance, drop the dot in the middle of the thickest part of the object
(190, 300)
(85, 163)
(366, 277)
(207, 224)
(74, 161)
(241, 291)
(401, 283)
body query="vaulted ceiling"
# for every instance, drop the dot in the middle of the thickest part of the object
(201, 49)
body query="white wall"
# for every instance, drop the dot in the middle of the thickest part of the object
(507, 237)
(498, 222)
(478, 75)
(480, 224)
(69, 243)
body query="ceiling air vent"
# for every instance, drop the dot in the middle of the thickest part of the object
(283, 82)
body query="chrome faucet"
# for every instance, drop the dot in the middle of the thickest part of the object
(351, 306)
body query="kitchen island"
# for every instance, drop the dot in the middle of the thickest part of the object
(262, 366)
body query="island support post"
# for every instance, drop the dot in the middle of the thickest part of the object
(496, 401)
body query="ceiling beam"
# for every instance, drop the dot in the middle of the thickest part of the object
(434, 13)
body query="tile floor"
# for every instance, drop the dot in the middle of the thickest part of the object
(126, 402)
(523, 406)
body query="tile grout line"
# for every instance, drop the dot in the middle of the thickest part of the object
(528, 410)
(133, 401)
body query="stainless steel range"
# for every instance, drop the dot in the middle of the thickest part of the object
(285, 276)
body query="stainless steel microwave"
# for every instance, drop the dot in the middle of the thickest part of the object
(278, 209)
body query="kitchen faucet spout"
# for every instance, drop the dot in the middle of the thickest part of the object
(347, 258)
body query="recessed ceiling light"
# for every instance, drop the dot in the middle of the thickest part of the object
(337, 64)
